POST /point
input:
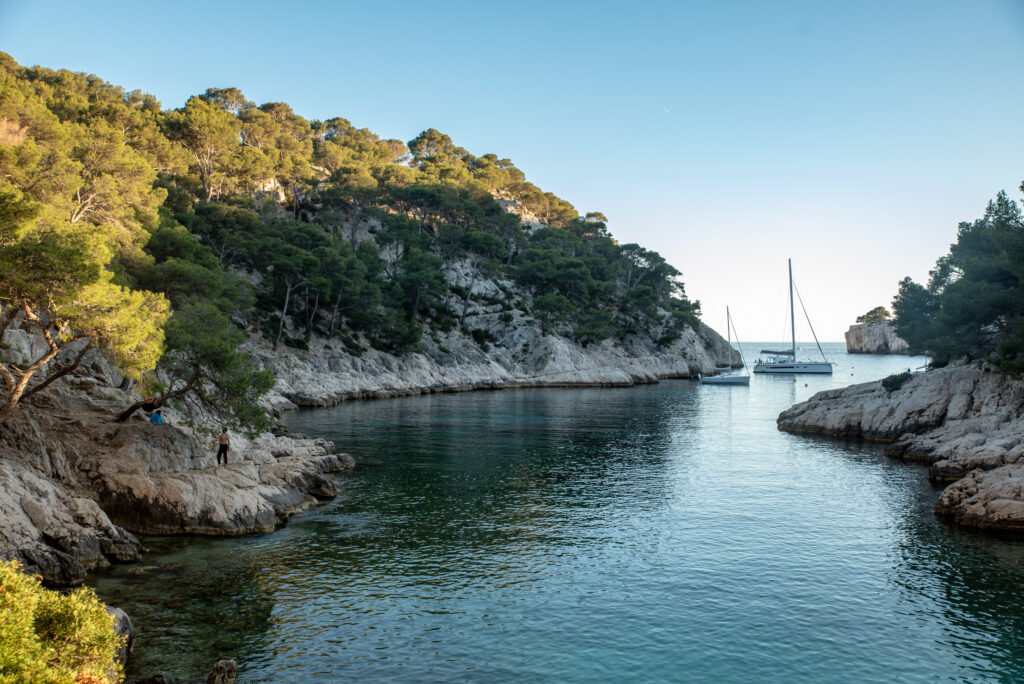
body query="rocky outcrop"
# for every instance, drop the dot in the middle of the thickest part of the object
(987, 499)
(520, 355)
(224, 672)
(125, 631)
(77, 486)
(966, 422)
(874, 338)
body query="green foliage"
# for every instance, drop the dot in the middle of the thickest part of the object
(595, 326)
(551, 309)
(893, 382)
(50, 637)
(973, 305)
(259, 190)
(877, 315)
(483, 337)
(209, 371)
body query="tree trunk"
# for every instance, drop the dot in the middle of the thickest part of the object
(311, 314)
(334, 314)
(60, 373)
(159, 401)
(284, 312)
(18, 385)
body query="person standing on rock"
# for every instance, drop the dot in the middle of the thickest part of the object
(223, 446)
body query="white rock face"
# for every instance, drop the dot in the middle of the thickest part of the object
(73, 481)
(966, 421)
(874, 338)
(76, 484)
(520, 356)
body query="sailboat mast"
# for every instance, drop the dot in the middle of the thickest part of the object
(728, 329)
(792, 318)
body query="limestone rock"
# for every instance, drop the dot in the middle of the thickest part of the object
(124, 628)
(521, 356)
(966, 421)
(224, 672)
(987, 499)
(73, 482)
(874, 338)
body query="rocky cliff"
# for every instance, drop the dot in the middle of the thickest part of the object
(874, 338)
(966, 421)
(77, 486)
(515, 352)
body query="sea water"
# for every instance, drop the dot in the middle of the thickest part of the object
(664, 532)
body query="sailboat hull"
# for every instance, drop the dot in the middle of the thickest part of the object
(794, 367)
(725, 380)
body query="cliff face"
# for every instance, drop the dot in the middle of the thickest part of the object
(517, 353)
(967, 422)
(874, 338)
(77, 486)
(520, 356)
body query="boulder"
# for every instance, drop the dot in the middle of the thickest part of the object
(874, 338)
(125, 630)
(224, 672)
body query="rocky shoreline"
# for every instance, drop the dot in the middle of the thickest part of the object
(78, 486)
(520, 356)
(965, 421)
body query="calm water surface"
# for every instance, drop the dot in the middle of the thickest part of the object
(659, 533)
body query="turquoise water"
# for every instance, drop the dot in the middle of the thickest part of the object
(659, 533)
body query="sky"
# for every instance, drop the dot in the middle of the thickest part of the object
(728, 136)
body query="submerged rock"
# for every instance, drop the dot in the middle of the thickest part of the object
(224, 672)
(874, 338)
(965, 421)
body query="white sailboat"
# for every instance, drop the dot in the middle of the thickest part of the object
(785, 361)
(728, 378)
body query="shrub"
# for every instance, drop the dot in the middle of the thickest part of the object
(483, 337)
(895, 381)
(50, 637)
(296, 342)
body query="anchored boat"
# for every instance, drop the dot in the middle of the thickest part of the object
(785, 361)
(728, 378)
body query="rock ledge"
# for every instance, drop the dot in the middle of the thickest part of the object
(965, 421)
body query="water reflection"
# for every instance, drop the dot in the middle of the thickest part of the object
(664, 532)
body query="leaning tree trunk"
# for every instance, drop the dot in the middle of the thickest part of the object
(61, 372)
(159, 401)
(284, 312)
(19, 384)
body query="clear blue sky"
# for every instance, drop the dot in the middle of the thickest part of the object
(852, 137)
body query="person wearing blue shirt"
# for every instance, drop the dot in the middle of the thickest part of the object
(156, 418)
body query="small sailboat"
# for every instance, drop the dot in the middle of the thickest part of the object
(728, 378)
(785, 361)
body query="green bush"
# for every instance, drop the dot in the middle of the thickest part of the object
(895, 381)
(49, 637)
(482, 337)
